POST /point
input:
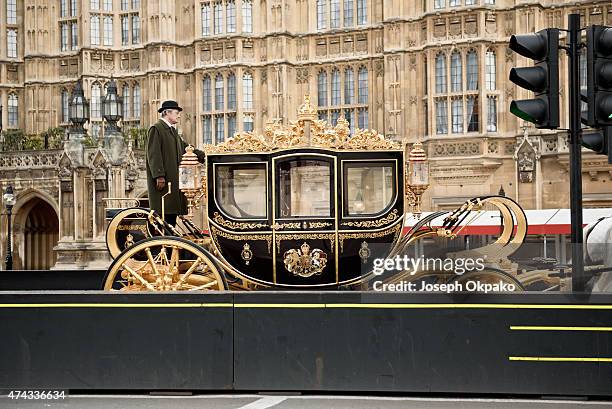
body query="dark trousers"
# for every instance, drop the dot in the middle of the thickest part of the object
(171, 219)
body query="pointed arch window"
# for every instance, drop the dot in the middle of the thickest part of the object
(334, 20)
(136, 102)
(230, 9)
(322, 89)
(219, 103)
(490, 72)
(335, 87)
(247, 90)
(247, 16)
(472, 71)
(96, 101)
(231, 91)
(348, 13)
(206, 94)
(13, 110)
(349, 87)
(363, 85)
(108, 30)
(456, 72)
(126, 101)
(11, 40)
(321, 14)
(362, 12)
(440, 74)
(205, 17)
(65, 104)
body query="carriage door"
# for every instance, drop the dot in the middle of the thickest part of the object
(304, 219)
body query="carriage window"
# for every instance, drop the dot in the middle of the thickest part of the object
(304, 188)
(369, 187)
(241, 190)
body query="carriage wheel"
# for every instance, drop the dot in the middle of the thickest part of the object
(127, 227)
(164, 264)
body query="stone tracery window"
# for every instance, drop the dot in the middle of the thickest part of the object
(342, 97)
(490, 70)
(247, 16)
(96, 101)
(463, 99)
(13, 110)
(247, 90)
(322, 90)
(440, 73)
(108, 30)
(136, 102)
(126, 101)
(65, 99)
(456, 72)
(221, 16)
(341, 13)
(472, 71)
(94, 30)
(230, 13)
(11, 11)
(221, 105)
(11, 40)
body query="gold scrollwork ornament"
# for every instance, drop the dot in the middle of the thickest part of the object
(246, 253)
(305, 263)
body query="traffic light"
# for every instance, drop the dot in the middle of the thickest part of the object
(599, 141)
(542, 79)
(599, 76)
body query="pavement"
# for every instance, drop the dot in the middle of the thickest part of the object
(290, 402)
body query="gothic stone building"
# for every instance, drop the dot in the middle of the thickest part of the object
(430, 70)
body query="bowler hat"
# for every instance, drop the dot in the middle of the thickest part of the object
(169, 105)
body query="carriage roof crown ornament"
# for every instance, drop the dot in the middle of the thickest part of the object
(306, 131)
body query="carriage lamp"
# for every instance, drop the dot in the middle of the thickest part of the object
(78, 108)
(9, 202)
(418, 176)
(190, 178)
(112, 106)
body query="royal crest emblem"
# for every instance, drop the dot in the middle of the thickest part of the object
(304, 262)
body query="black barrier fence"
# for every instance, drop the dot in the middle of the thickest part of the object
(552, 344)
(24, 280)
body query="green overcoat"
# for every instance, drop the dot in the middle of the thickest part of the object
(164, 151)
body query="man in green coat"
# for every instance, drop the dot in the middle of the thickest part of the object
(165, 149)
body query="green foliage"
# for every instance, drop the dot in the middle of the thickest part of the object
(16, 140)
(54, 138)
(137, 135)
(89, 141)
(12, 140)
(33, 142)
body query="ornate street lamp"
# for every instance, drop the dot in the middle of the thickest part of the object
(9, 202)
(191, 181)
(418, 176)
(112, 107)
(78, 108)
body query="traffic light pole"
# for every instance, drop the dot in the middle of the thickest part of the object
(575, 135)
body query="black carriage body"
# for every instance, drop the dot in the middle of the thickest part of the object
(305, 217)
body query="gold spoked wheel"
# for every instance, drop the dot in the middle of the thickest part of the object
(164, 264)
(127, 227)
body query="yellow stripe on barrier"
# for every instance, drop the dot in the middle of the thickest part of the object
(557, 359)
(551, 328)
(243, 305)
